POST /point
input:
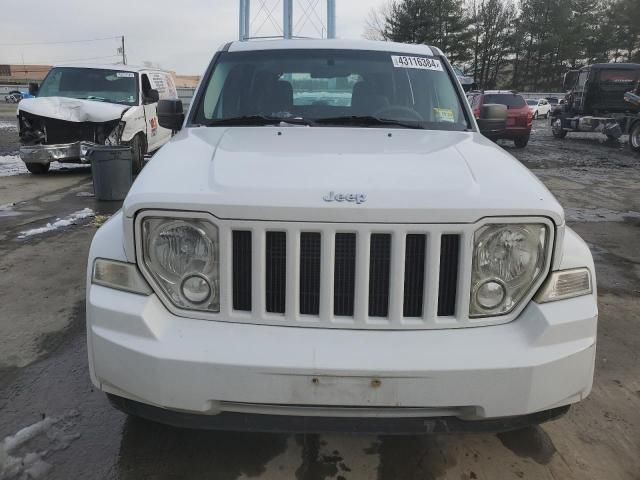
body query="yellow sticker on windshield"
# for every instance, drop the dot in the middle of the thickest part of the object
(444, 115)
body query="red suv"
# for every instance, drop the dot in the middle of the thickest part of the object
(518, 113)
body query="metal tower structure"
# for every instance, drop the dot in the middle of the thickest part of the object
(297, 15)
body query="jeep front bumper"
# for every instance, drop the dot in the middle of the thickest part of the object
(141, 352)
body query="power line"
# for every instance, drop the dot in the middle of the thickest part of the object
(19, 68)
(58, 43)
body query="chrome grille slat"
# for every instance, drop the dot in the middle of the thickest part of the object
(448, 278)
(396, 290)
(414, 270)
(379, 274)
(310, 264)
(241, 274)
(344, 282)
(276, 272)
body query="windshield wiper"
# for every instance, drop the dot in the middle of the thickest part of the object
(93, 97)
(366, 121)
(249, 120)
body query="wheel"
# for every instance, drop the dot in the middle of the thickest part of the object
(557, 130)
(521, 142)
(634, 137)
(138, 149)
(547, 115)
(535, 115)
(38, 168)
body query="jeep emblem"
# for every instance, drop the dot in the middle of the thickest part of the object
(357, 198)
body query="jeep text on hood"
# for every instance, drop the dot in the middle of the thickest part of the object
(329, 236)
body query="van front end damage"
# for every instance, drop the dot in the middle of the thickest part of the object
(45, 139)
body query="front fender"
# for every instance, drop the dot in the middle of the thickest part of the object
(134, 123)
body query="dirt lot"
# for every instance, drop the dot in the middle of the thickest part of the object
(43, 371)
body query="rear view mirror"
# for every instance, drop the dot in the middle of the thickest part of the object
(152, 96)
(170, 114)
(493, 120)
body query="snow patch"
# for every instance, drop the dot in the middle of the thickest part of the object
(51, 433)
(71, 219)
(11, 165)
(4, 125)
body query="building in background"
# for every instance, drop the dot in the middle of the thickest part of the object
(22, 74)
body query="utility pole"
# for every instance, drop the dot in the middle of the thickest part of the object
(245, 19)
(287, 18)
(331, 18)
(124, 55)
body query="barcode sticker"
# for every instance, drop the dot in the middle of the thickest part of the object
(422, 63)
(124, 74)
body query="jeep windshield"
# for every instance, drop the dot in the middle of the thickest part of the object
(329, 88)
(101, 85)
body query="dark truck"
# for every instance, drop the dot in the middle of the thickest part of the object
(595, 101)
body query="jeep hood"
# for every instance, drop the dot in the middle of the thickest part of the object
(72, 109)
(273, 173)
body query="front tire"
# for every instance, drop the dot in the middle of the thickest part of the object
(521, 142)
(138, 148)
(38, 168)
(634, 137)
(535, 115)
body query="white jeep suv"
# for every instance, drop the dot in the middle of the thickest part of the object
(329, 243)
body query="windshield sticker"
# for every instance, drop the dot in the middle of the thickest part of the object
(421, 63)
(444, 115)
(124, 74)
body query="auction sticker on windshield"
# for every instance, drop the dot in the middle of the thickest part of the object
(422, 63)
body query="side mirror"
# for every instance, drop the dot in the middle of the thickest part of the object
(493, 120)
(151, 96)
(33, 89)
(170, 114)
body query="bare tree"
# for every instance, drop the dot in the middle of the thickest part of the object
(376, 22)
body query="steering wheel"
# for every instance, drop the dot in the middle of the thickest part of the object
(399, 113)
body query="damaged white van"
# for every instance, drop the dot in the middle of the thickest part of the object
(80, 106)
(330, 243)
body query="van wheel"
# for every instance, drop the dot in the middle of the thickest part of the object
(557, 130)
(634, 137)
(138, 149)
(521, 142)
(38, 168)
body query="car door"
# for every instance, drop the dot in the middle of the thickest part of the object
(163, 84)
(150, 113)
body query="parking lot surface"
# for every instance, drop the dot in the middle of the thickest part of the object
(46, 226)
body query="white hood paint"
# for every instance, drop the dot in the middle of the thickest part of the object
(72, 109)
(408, 176)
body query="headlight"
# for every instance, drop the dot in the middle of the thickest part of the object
(508, 259)
(183, 258)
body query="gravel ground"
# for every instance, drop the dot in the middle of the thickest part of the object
(43, 371)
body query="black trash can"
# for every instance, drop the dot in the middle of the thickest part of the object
(111, 168)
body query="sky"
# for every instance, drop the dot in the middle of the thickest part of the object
(175, 35)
